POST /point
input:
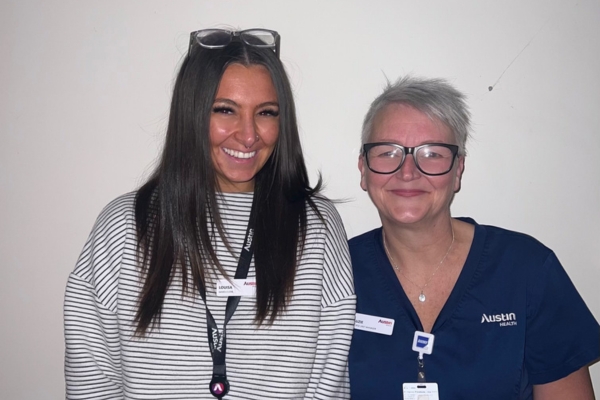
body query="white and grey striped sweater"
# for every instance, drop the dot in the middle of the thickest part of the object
(303, 355)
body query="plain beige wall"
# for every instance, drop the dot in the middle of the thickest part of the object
(84, 94)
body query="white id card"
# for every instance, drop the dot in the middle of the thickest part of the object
(237, 287)
(420, 391)
(372, 323)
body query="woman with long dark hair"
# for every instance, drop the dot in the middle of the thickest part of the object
(226, 275)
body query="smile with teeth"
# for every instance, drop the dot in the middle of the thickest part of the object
(239, 154)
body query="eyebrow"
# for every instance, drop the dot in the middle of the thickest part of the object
(228, 101)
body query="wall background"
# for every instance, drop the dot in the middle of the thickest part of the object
(84, 94)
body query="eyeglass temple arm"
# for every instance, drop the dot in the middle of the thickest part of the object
(192, 40)
(277, 43)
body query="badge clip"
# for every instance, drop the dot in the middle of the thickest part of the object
(423, 343)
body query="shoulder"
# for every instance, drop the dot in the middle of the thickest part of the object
(333, 248)
(321, 208)
(363, 242)
(115, 220)
(324, 205)
(514, 238)
(121, 208)
(110, 234)
(505, 244)
(365, 254)
(364, 238)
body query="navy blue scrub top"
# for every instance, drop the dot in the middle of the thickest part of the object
(513, 320)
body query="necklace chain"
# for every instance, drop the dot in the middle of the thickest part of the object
(422, 297)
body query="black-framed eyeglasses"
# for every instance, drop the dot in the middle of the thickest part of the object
(219, 38)
(431, 158)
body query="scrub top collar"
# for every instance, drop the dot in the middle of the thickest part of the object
(393, 289)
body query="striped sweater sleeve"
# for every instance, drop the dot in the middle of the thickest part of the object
(92, 348)
(329, 376)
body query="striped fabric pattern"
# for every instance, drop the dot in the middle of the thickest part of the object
(303, 355)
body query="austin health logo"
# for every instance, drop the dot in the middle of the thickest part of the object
(508, 319)
(422, 342)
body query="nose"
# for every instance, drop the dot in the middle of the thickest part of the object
(247, 133)
(408, 171)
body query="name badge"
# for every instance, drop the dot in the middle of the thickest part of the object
(372, 323)
(237, 287)
(420, 391)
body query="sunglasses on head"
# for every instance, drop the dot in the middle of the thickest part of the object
(219, 38)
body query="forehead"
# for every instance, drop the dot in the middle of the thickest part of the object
(408, 126)
(247, 79)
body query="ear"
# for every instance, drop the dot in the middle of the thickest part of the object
(363, 170)
(459, 172)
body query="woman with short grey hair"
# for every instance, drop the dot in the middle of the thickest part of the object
(447, 307)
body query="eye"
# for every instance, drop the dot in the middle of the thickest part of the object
(435, 151)
(431, 154)
(222, 110)
(386, 152)
(269, 112)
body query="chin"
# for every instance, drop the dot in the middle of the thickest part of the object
(410, 214)
(401, 218)
(236, 183)
(407, 221)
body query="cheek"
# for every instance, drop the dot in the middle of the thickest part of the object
(216, 133)
(220, 128)
(269, 132)
(444, 185)
(374, 183)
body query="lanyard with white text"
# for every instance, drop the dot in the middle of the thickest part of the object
(219, 385)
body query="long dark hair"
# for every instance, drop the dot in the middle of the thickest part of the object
(176, 209)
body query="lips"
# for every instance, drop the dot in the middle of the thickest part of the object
(239, 154)
(408, 192)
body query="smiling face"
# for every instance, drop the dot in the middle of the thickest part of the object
(409, 196)
(244, 126)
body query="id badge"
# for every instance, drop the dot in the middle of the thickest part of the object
(420, 391)
(237, 287)
(372, 323)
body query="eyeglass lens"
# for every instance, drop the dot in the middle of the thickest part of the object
(258, 37)
(213, 38)
(430, 159)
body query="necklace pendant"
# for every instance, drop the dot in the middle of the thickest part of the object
(422, 297)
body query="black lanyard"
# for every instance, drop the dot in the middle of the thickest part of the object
(217, 343)
(421, 370)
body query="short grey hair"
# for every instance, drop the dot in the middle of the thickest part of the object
(434, 97)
